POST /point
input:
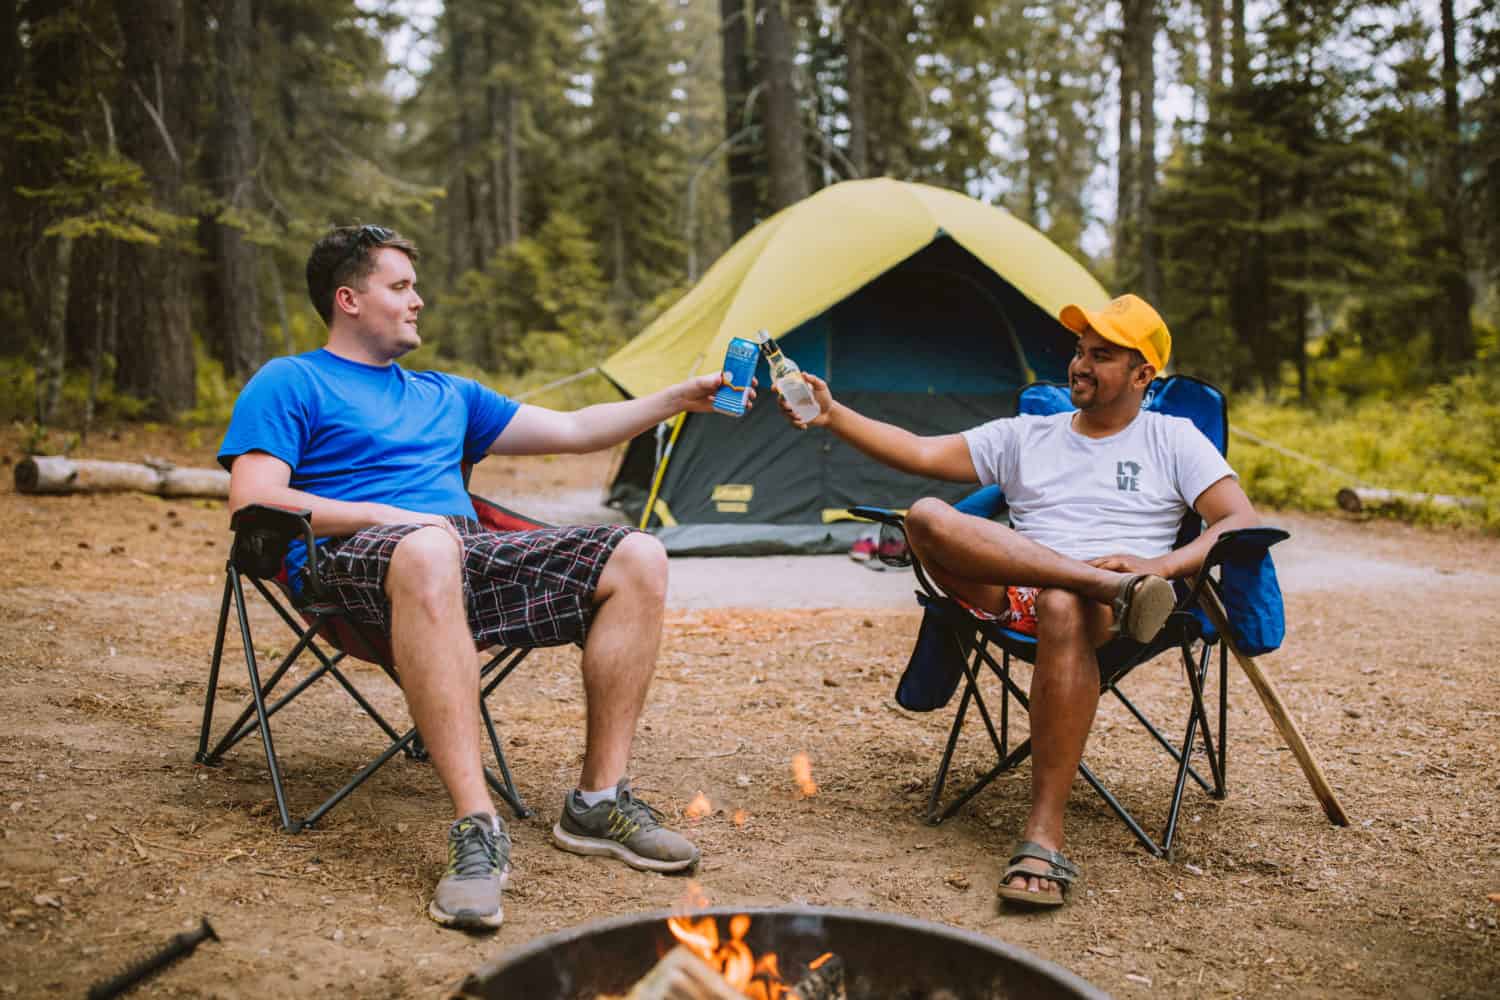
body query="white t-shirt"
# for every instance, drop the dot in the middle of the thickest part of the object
(1088, 497)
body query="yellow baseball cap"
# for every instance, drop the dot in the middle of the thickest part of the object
(1128, 321)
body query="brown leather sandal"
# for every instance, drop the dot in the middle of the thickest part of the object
(1141, 606)
(1060, 872)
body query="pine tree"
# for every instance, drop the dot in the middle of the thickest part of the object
(1274, 220)
(637, 154)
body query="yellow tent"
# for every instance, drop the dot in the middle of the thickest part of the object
(813, 254)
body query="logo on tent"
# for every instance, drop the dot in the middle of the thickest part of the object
(733, 498)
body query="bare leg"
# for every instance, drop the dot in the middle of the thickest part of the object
(434, 654)
(619, 655)
(976, 559)
(1064, 696)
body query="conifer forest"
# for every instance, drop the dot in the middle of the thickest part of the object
(1310, 191)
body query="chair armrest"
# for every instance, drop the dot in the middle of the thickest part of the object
(883, 515)
(1243, 545)
(262, 533)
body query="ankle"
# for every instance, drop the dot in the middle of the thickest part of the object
(591, 799)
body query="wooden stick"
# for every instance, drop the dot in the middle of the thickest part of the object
(681, 975)
(1276, 708)
(826, 982)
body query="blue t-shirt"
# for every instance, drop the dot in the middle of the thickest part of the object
(367, 433)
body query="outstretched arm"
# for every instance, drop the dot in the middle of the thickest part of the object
(942, 456)
(536, 430)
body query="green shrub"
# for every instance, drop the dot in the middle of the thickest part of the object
(1444, 439)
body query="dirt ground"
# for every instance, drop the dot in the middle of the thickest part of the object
(112, 839)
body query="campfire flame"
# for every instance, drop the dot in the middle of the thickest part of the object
(699, 807)
(802, 774)
(740, 816)
(755, 978)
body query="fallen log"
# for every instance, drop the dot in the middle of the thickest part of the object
(57, 474)
(1355, 499)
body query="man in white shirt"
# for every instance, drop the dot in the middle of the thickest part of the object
(1096, 496)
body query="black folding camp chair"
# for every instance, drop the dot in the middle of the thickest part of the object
(262, 534)
(954, 645)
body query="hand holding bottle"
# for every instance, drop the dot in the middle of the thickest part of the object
(789, 381)
(822, 404)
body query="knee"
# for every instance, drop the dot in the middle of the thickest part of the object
(1059, 613)
(925, 520)
(638, 565)
(424, 566)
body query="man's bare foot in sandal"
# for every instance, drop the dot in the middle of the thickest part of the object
(1037, 877)
(1141, 606)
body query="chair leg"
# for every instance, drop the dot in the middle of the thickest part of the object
(503, 786)
(1223, 791)
(260, 704)
(1197, 720)
(501, 666)
(941, 778)
(213, 673)
(1007, 760)
(359, 779)
(1120, 811)
(256, 715)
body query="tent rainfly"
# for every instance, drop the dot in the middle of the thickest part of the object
(920, 306)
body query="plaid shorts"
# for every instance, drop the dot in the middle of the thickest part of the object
(521, 588)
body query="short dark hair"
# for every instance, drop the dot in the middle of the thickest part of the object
(346, 256)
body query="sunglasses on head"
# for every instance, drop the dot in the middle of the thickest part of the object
(364, 238)
(373, 234)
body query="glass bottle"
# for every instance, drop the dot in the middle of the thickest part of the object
(787, 378)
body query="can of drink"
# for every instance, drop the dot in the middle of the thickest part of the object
(739, 362)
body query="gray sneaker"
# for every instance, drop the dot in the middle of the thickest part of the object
(626, 828)
(468, 894)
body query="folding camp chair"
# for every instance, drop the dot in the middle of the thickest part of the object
(955, 645)
(262, 534)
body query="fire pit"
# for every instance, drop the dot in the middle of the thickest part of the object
(884, 956)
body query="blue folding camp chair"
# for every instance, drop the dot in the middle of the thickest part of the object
(953, 645)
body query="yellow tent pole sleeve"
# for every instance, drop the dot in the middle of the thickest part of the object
(661, 471)
(663, 513)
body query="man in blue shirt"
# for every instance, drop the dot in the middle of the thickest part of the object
(374, 452)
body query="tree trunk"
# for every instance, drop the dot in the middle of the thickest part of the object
(786, 160)
(740, 161)
(513, 178)
(466, 241)
(1239, 48)
(1453, 342)
(1034, 156)
(1148, 241)
(156, 356)
(10, 46)
(86, 289)
(106, 299)
(52, 362)
(858, 84)
(1213, 26)
(1125, 163)
(233, 330)
(494, 151)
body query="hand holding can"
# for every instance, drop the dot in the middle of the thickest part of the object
(739, 364)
